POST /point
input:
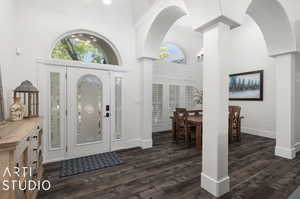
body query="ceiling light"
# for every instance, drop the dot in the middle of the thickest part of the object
(107, 2)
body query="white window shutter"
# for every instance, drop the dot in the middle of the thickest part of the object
(174, 98)
(157, 103)
(189, 90)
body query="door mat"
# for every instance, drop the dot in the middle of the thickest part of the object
(90, 163)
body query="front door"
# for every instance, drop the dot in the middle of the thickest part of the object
(88, 123)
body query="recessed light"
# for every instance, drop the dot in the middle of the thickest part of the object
(107, 2)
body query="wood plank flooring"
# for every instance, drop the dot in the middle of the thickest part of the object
(169, 171)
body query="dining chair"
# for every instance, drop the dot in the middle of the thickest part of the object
(190, 128)
(180, 116)
(195, 112)
(234, 126)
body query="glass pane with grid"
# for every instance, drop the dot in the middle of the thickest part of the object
(118, 107)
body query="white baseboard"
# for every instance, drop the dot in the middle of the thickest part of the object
(53, 160)
(215, 187)
(297, 147)
(133, 143)
(146, 144)
(258, 132)
(285, 152)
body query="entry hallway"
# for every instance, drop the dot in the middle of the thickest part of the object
(169, 171)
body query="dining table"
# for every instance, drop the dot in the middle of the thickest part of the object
(193, 120)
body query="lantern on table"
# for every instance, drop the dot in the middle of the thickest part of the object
(29, 97)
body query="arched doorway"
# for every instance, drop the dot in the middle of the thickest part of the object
(275, 26)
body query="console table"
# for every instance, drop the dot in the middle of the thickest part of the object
(20, 147)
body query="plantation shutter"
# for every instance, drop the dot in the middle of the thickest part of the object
(174, 98)
(157, 103)
(189, 97)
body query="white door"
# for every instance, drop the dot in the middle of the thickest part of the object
(88, 116)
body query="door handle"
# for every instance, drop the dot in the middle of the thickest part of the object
(107, 115)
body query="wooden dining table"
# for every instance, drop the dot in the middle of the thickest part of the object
(194, 120)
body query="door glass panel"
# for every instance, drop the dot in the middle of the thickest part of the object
(55, 109)
(89, 110)
(118, 105)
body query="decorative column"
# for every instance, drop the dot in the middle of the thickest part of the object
(214, 176)
(146, 102)
(285, 105)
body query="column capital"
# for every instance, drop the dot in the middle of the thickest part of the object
(213, 22)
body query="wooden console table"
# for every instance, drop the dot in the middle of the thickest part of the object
(20, 146)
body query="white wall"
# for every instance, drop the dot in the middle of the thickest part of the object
(7, 24)
(249, 53)
(140, 8)
(40, 23)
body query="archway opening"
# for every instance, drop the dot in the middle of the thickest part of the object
(177, 75)
(264, 13)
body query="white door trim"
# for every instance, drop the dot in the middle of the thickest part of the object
(79, 64)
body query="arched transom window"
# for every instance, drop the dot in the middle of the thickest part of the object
(86, 48)
(172, 53)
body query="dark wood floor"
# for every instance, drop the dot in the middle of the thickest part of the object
(169, 171)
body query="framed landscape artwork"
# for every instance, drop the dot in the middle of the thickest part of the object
(247, 86)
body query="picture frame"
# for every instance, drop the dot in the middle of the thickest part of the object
(248, 86)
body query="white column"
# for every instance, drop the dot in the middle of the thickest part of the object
(214, 176)
(285, 106)
(146, 102)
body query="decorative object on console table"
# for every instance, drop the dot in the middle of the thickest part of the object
(17, 110)
(30, 97)
(247, 86)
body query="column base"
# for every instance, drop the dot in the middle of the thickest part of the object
(146, 144)
(288, 153)
(216, 188)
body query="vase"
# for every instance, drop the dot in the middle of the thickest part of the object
(17, 110)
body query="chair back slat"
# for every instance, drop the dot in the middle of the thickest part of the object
(195, 112)
(234, 113)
